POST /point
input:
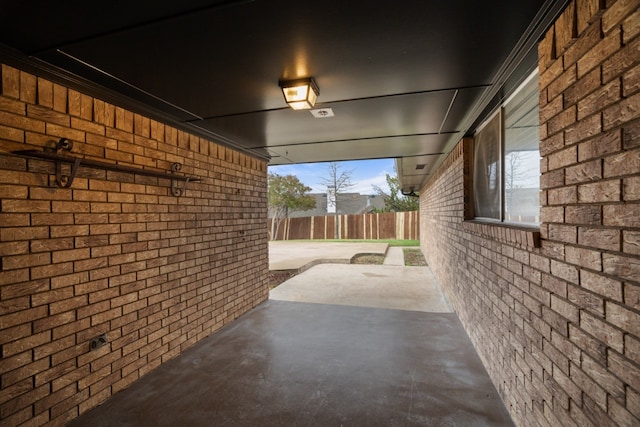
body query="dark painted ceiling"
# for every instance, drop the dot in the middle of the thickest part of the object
(405, 79)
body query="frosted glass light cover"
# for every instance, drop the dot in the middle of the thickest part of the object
(300, 94)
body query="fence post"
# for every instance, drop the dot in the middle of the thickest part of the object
(400, 226)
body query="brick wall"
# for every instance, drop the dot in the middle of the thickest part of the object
(117, 253)
(556, 320)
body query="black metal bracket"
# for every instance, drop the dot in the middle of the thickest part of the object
(65, 181)
(177, 191)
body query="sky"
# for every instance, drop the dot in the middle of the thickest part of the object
(365, 174)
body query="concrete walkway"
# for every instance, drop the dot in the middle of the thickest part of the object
(379, 286)
(395, 256)
(325, 277)
(296, 255)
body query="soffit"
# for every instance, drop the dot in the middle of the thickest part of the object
(404, 79)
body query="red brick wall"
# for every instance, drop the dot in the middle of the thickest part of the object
(558, 326)
(115, 254)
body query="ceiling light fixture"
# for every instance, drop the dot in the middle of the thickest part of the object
(300, 94)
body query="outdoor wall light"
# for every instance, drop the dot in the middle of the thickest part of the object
(300, 94)
(410, 193)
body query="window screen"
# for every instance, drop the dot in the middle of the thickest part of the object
(487, 175)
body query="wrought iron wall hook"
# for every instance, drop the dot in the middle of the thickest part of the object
(65, 181)
(177, 191)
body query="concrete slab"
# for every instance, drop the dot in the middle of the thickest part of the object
(394, 256)
(298, 364)
(337, 344)
(380, 286)
(295, 255)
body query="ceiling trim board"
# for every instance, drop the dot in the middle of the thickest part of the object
(328, 103)
(446, 115)
(373, 138)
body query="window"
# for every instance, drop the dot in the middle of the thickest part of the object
(506, 172)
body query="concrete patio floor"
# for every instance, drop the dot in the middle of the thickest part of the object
(305, 363)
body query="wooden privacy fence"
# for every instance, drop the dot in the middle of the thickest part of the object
(391, 225)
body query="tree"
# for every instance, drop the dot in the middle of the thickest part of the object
(338, 181)
(521, 175)
(286, 194)
(395, 201)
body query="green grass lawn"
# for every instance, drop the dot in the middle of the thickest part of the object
(390, 242)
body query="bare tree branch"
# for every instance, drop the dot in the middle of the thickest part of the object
(338, 182)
